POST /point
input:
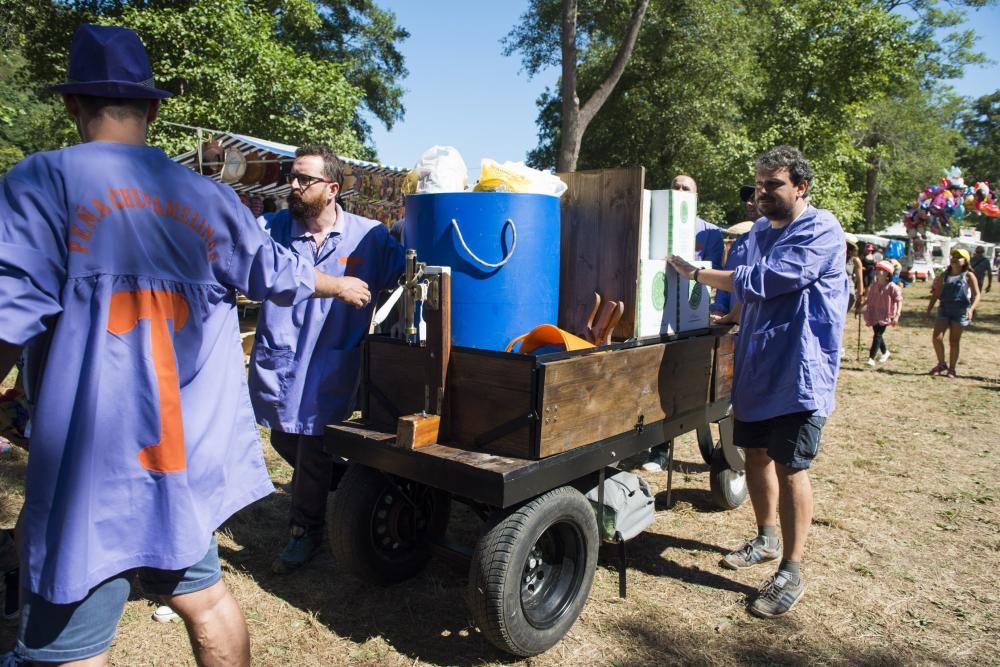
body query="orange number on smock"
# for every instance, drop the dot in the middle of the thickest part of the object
(159, 307)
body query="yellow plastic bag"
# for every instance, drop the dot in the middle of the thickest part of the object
(517, 177)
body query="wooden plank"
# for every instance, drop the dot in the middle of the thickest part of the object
(586, 399)
(688, 365)
(396, 372)
(601, 220)
(590, 398)
(486, 392)
(480, 460)
(722, 374)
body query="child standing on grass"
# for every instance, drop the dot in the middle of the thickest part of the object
(885, 303)
(958, 291)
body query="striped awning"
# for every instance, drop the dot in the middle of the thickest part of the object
(274, 151)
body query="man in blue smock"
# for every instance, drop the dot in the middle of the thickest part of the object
(117, 275)
(794, 291)
(306, 360)
(725, 308)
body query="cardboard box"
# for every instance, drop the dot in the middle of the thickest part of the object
(656, 299)
(692, 302)
(672, 216)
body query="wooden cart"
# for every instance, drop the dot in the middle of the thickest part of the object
(521, 438)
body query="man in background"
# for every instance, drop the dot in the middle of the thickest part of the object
(306, 360)
(981, 267)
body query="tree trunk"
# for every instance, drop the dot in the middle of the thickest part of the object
(575, 118)
(871, 192)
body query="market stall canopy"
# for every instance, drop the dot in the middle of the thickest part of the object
(266, 164)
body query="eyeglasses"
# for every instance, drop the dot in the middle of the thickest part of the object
(305, 181)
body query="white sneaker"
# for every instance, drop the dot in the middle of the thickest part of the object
(871, 362)
(885, 357)
(657, 460)
(165, 614)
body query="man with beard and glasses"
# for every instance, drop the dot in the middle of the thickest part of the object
(794, 291)
(306, 359)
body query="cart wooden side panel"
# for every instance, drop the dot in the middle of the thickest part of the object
(598, 396)
(395, 379)
(490, 401)
(722, 374)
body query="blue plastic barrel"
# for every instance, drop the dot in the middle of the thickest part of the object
(503, 250)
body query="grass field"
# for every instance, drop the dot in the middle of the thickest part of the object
(901, 568)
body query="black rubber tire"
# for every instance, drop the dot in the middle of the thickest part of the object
(375, 533)
(729, 487)
(554, 534)
(706, 447)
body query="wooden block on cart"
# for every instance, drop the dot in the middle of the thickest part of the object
(419, 430)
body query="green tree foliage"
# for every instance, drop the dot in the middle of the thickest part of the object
(980, 158)
(288, 70)
(853, 83)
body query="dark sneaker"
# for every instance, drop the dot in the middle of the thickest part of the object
(778, 595)
(299, 551)
(752, 552)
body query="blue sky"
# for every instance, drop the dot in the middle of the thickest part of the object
(463, 92)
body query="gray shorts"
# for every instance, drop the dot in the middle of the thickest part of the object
(791, 440)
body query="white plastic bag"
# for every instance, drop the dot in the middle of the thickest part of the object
(441, 169)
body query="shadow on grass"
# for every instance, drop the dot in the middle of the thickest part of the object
(645, 554)
(700, 500)
(424, 618)
(750, 641)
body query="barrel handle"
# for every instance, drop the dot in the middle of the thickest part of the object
(513, 245)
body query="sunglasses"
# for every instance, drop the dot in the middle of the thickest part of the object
(305, 180)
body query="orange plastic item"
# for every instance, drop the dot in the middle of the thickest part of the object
(548, 334)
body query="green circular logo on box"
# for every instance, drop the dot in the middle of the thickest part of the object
(694, 298)
(659, 290)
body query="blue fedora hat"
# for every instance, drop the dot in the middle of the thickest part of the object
(107, 61)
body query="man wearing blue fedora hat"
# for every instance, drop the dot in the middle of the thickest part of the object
(117, 271)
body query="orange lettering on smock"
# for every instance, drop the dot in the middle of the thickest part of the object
(159, 307)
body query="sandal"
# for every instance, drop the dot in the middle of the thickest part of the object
(940, 368)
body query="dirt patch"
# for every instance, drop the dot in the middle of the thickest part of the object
(902, 561)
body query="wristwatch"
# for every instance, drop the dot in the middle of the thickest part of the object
(694, 276)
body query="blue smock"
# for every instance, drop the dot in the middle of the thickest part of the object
(708, 244)
(306, 359)
(117, 271)
(726, 301)
(794, 290)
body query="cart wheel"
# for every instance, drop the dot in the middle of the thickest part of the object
(729, 487)
(706, 446)
(532, 570)
(380, 527)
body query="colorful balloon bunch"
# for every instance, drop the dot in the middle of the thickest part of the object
(950, 199)
(984, 200)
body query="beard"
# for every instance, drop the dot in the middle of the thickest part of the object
(304, 209)
(774, 209)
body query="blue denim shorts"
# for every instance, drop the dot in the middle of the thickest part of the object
(66, 632)
(791, 440)
(954, 314)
